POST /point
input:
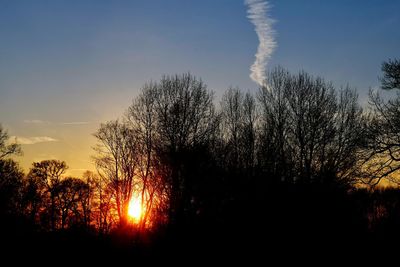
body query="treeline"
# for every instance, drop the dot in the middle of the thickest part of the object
(300, 152)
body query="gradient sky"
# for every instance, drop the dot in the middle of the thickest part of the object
(67, 66)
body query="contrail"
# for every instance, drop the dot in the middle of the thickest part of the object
(257, 13)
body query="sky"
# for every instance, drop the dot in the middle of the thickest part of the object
(66, 66)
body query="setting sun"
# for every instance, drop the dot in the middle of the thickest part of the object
(135, 209)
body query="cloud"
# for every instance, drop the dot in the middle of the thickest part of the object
(59, 123)
(36, 122)
(257, 14)
(74, 123)
(33, 140)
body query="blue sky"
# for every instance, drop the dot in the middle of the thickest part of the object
(66, 66)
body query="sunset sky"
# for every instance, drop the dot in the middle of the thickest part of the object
(67, 66)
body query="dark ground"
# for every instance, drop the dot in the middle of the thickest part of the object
(297, 224)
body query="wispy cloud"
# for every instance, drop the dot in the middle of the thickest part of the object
(74, 123)
(33, 140)
(36, 122)
(257, 12)
(56, 123)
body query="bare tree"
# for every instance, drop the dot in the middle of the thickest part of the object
(391, 74)
(6, 148)
(382, 129)
(249, 130)
(312, 108)
(185, 121)
(90, 200)
(167, 125)
(238, 127)
(308, 134)
(274, 149)
(105, 217)
(185, 112)
(232, 123)
(344, 154)
(117, 161)
(11, 174)
(382, 154)
(151, 184)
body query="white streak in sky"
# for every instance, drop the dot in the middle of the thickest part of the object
(36, 122)
(56, 123)
(33, 140)
(257, 13)
(75, 123)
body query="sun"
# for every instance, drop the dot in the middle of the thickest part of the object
(135, 209)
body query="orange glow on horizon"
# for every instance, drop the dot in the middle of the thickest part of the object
(135, 209)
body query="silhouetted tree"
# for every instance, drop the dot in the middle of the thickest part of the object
(236, 153)
(117, 162)
(249, 131)
(308, 133)
(292, 153)
(49, 173)
(238, 128)
(344, 158)
(312, 109)
(89, 201)
(232, 109)
(71, 193)
(382, 130)
(151, 174)
(11, 176)
(185, 123)
(33, 197)
(7, 149)
(274, 155)
(391, 74)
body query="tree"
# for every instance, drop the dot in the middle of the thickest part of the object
(34, 197)
(151, 175)
(382, 147)
(186, 122)
(5, 148)
(172, 121)
(391, 74)
(344, 156)
(249, 131)
(49, 173)
(308, 134)
(97, 204)
(71, 194)
(117, 162)
(274, 157)
(89, 200)
(382, 129)
(10, 173)
(232, 124)
(11, 176)
(238, 127)
(312, 109)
